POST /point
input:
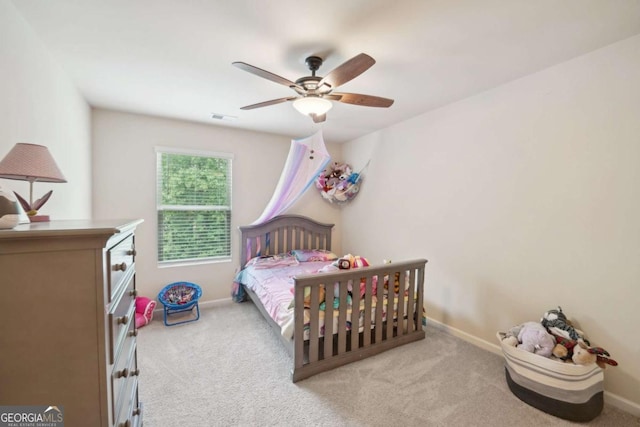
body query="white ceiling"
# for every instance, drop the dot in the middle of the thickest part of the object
(172, 58)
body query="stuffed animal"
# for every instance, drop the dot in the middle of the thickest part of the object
(566, 350)
(581, 355)
(511, 336)
(144, 311)
(602, 357)
(307, 296)
(585, 355)
(359, 261)
(558, 325)
(343, 263)
(396, 283)
(534, 338)
(511, 340)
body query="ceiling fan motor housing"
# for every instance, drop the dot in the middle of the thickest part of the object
(308, 85)
(314, 63)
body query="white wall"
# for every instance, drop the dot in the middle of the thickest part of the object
(522, 198)
(124, 174)
(40, 105)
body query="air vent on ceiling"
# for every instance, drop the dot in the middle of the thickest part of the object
(218, 116)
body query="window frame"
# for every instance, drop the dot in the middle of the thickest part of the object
(162, 150)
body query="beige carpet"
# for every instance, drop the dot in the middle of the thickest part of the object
(230, 369)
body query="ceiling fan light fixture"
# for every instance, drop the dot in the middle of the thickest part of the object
(312, 105)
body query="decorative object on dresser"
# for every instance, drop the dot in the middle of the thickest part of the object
(68, 337)
(9, 212)
(31, 162)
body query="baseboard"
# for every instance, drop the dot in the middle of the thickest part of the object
(622, 403)
(158, 311)
(213, 303)
(609, 398)
(478, 342)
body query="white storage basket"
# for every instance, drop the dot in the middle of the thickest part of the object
(566, 390)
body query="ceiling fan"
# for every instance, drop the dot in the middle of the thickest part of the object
(315, 93)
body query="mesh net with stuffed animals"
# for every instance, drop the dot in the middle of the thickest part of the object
(339, 183)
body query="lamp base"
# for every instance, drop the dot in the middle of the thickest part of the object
(39, 218)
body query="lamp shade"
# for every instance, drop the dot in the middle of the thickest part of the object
(312, 105)
(30, 162)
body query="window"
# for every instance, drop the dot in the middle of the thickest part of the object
(194, 206)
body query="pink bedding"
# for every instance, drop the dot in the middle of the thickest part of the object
(273, 284)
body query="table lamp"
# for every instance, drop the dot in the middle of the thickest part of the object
(31, 162)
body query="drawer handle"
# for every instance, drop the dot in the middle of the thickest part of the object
(125, 424)
(124, 373)
(123, 320)
(135, 373)
(132, 252)
(133, 333)
(122, 266)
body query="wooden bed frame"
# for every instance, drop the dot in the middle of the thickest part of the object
(317, 354)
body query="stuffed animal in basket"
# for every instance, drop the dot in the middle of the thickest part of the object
(534, 338)
(558, 325)
(571, 343)
(511, 336)
(564, 348)
(585, 355)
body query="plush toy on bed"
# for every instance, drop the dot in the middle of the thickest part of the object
(534, 338)
(343, 263)
(351, 261)
(307, 297)
(144, 311)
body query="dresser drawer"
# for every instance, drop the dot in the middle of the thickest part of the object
(120, 262)
(121, 318)
(130, 414)
(123, 376)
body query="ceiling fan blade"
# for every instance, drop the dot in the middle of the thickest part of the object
(267, 103)
(333, 97)
(266, 74)
(348, 70)
(318, 118)
(364, 100)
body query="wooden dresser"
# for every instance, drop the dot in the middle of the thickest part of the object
(67, 320)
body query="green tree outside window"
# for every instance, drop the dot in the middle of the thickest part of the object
(193, 205)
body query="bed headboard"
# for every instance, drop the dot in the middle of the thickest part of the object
(281, 234)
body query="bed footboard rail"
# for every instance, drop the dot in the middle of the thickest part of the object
(370, 312)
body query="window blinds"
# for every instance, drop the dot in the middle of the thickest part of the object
(193, 200)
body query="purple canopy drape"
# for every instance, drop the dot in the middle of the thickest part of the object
(306, 160)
